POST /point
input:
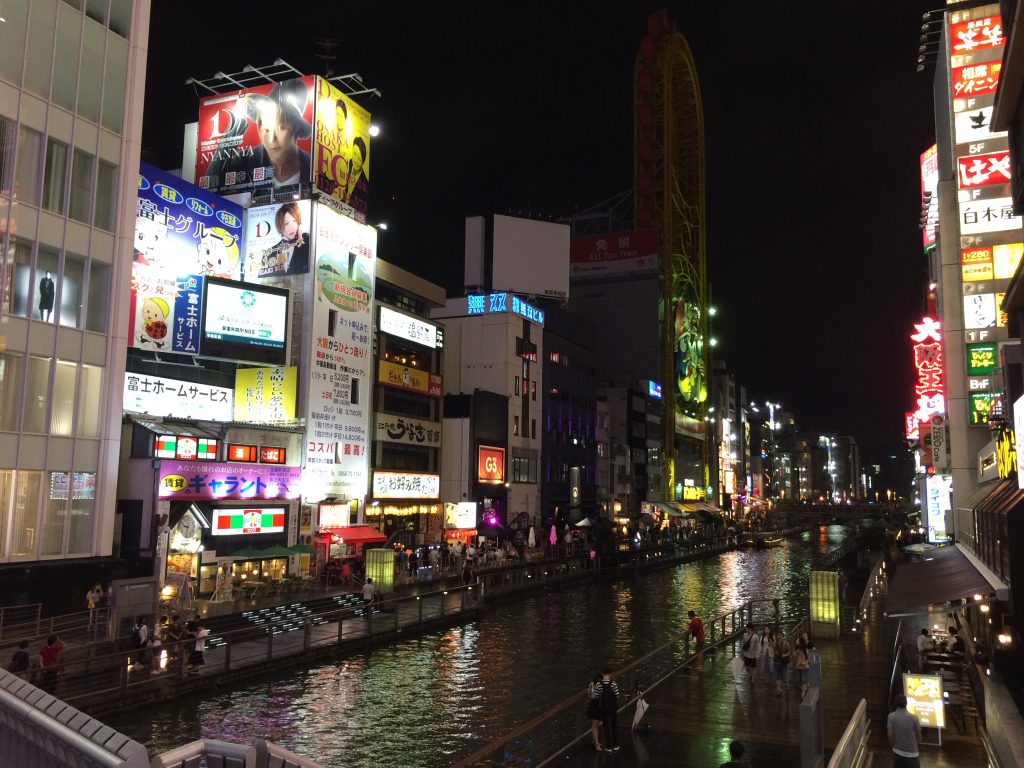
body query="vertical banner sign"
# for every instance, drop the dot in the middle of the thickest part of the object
(930, 193)
(929, 389)
(182, 234)
(990, 233)
(265, 395)
(256, 137)
(341, 361)
(342, 147)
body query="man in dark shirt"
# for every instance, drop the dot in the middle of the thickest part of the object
(608, 695)
(736, 750)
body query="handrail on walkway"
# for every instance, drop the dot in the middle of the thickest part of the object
(851, 751)
(11, 614)
(542, 739)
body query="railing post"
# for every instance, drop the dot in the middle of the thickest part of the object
(227, 653)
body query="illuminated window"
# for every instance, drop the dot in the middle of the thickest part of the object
(516, 388)
(515, 426)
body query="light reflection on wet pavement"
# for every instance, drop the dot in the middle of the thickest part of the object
(429, 700)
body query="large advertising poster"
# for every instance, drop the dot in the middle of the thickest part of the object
(182, 234)
(688, 355)
(341, 361)
(615, 255)
(342, 148)
(256, 137)
(277, 240)
(265, 395)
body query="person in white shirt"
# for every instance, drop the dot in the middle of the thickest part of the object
(368, 591)
(199, 648)
(924, 645)
(750, 647)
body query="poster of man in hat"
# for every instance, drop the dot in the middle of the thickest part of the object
(256, 137)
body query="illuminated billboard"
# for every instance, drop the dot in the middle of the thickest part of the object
(616, 255)
(930, 186)
(929, 388)
(490, 303)
(265, 395)
(233, 521)
(490, 464)
(925, 700)
(182, 234)
(688, 355)
(338, 405)
(412, 379)
(408, 327)
(973, 126)
(256, 137)
(341, 142)
(191, 481)
(242, 321)
(979, 310)
(175, 398)
(277, 240)
(406, 485)
(938, 490)
(403, 429)
(984, 169)
(982, 359)
(1005, 259)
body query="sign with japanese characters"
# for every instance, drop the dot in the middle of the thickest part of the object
(938, 502)
(196, 482)
(974, 125)
(979, 310)
(976, 34)
(929, 389)
(987, 215)
(413, 379)
(1018, 425)
(276, 240)
(924, 699)
(182, 234)
(490, 303)
(460, 515)
(235, 521)
(408, 327)
(614, 255)
(339, 401)
(265, 395)
(490, 464)
(406, 485)
(982, 359)
(930, 193)
(976, 79)
(174, 398)
(401, 429)
(984, 169)
(256, 137)
(341, 142)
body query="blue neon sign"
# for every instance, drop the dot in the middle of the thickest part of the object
(489, 303)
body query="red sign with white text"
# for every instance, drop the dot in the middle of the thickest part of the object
(929, 389)
(983, 170)
(976, 35)
(490, 465)
(976, 79)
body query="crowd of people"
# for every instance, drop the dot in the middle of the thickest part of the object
(770, 653)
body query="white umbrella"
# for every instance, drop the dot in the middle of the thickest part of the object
(586, 522)
(532, 539)
(641, 709)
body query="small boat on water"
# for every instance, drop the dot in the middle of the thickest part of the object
(764, 539)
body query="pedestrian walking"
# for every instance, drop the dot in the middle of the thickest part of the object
(368, 594)
(92, 602)
(750, 648)
(736, 750)
(594, 711)
(802, 663)
(140, 639)
(782, 653)
(156, 644)
(904, 731)
(49, 661)
(766, 661)
(609, 710)
(198, 658)
(20, 660)
(696, 629)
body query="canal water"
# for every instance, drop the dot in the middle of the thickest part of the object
(431, 700)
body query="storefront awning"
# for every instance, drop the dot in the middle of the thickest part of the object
(979, 493)
(670, 508)
(356, 534)
(944, 575)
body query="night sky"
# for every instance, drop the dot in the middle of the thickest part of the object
(814, 118)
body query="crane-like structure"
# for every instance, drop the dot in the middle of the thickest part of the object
(670, 197)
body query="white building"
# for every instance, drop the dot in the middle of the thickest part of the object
(72, 77)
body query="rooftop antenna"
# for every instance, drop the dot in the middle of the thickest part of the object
(326, 48)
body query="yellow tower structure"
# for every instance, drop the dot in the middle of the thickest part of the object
(670, 197)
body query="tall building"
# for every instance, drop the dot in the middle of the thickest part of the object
(72, 77)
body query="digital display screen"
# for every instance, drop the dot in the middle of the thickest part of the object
(244, 321)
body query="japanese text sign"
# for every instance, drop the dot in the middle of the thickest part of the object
(157, 396)
(406, 485)
(189, 481)
(414, 379)
(408, 327)
(341, 143)
(929, 389)
(924, 699)
(622, 253)
(402, 429)
(489, 303)
(265, 395)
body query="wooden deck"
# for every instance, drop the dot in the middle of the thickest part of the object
(694, 715)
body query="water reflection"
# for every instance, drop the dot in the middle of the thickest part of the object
(430, 700)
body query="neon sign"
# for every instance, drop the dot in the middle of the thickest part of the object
(929, 388)
(488, 303)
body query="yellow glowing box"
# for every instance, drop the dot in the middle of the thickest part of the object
(924, 699)
(380, 566)
(824, 595)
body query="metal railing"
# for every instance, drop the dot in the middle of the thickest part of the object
(18, 614)
(851, 751)
(830, 559)
(90, 625)
(104, 680)
(548, 736)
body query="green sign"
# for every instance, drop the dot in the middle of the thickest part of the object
(979, 405)
(981, 359)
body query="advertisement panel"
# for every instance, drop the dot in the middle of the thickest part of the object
(983, 170)
(265, 395)
(974, 125)
(157, 396)
(979, 310)
(616, 255)
(976, 35)
(276, 240)
(924, 699)
(930, 192)
(976, 79)
(401, 429)
(1005, 259)
(181, 235)
(688, 355)
(233, 521)
(530, 257)
(413, 379)
(408, 327)
(1018, 425)
(189, 481)
(939, 490)
(460, 515)
(243, 321)
(342, 147)
(256, 137)
(406, 485)
(981, 359)
(929, 387)
(978, 217)
(490, 464)
(341, 360)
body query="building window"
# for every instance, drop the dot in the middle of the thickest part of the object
(62, 407)
(89, 391)
(515, 426)
(99, 294)
(83, 503)
(26, 166)
(106, 189)
(10, 391)
(55, 175)
(65, 65)
(81, 186)
(55, 512)
(18, 295)
(71, 283)
(25, 522)
(41, 29)
(533, 429)
(515, 389)
(524, 470)
(90, 87)
(46, 284)
(37, 391)
(12, 49)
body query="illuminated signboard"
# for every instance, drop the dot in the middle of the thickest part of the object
(80, 485)
(979, 406)
(265, 395)
(334, 515)
(243, 321)
(185, 448)
(978, 217)
(408, 327)
(414, 379)
(985, 169)
(929, 389)
(614, 255)
(1018, 426)
(924, 699)
(237, 452)
(980, 310)
(976, 79)
(490, 303)
(654, 390)
(342, 148)
(938, 490)
(1005, 259)
(912, 431)
(406, 485)
(490, 464)
(1006, 452)
(402, 429)
(157, 396)
(930, 185)
(230, 156)
(195, 482)
(975, 125)
(270, 455)
(277, 240)
(976, 34)
(976, 264)
(981, 359)
(235, 521)
(461, 515)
